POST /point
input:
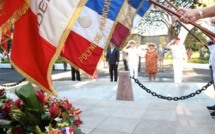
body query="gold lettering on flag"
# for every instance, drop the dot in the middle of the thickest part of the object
(105, 12)
(128, 16)
(91, 48)
(88, 52)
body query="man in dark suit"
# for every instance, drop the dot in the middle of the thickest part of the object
(113, 61)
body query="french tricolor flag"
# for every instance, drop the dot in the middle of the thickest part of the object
(141, 13)
(91, 34)
(67, 130)
(131, 9)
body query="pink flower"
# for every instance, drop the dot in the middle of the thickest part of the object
(18, 104)
(77, 123)
(7, 106)
(53, 111)
(41, 96)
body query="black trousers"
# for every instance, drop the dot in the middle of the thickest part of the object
(113, 70)
(125, 64)
(75, 72)
(212, 75)
(64, 66)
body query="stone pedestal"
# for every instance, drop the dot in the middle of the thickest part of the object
(124, 91)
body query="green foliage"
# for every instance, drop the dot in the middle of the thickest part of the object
(192, 42)
(29, 98)
(58, 61)
(6, 61)
(35, 112)
(158, 19)
(197, 60)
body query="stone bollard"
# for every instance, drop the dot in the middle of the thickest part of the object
(124, 91)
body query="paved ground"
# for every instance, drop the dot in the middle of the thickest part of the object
(103, 114)
(118, 117)
(190, 75)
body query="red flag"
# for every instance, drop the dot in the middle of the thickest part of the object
(10, 11)
(5, 38)
(39, 36)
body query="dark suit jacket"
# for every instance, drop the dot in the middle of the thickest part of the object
(114, 57)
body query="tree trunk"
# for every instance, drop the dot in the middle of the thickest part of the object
(171, 32)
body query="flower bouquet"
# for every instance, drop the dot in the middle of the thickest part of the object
(37, 113)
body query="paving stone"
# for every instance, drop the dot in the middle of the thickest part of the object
(86, 101)
(155, 127)
(159, 115)
(81, 106)
(110, 103)
(205, 129)
(101, 110)
(193, 127)
(128, 113)
(106, 132)
(190, 107)
(91, 121)
(118, 124)
(134, 105)
(86, 130)
(195, 113)
(166, 106)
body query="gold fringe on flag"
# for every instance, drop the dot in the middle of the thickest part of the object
(16, 16)
(1, 4)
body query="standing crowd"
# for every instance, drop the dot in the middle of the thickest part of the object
(154, 59)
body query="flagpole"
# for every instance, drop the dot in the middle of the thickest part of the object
(172, 5)
(189, 31)
(176, 8)
(207, 32)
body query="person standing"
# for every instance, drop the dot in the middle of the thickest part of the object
(151, 61)
(189, 53)
(1, 58)
(64, 66)
(113, 61)
(201, 53)
(161, 55)
(75, 72)
(125, 60)
(133, 58)
(178, 53)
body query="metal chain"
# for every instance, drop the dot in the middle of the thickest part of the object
(173, 98)
(15, 84)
